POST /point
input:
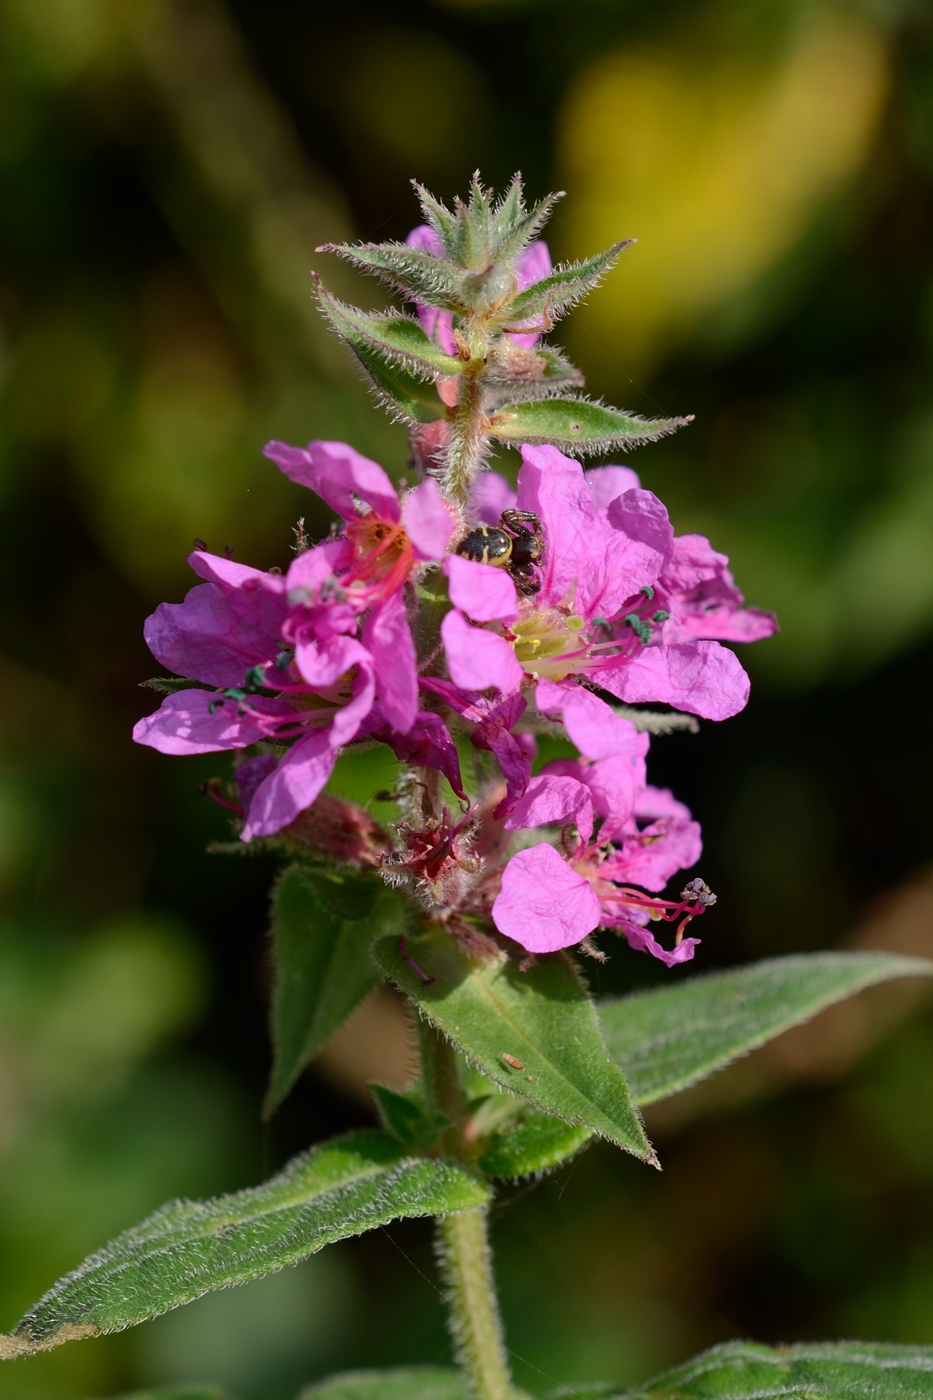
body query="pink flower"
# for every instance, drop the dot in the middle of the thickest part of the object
(596, 616)
(550, 900)
(300, 659)
(533, 264)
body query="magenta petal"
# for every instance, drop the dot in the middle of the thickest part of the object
(424, 238)
(616, 783)
(484, 593)
(338, 473)
(205, 639)
(654, 803)
(549, 801)
(606, 483)
(702, 678)
(644, 519)
(514, 753)
(292, 786)
(544, 904)
(593, 726)
(428, 522)
(427, 744)
(651, 857)
(478, 659)
(258, 597)
(491, 495)
(387, 637)
(644, 942)
(184, 724)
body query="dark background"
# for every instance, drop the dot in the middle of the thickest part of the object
(166, 171)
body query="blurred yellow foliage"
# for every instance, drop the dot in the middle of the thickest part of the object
(716, 164)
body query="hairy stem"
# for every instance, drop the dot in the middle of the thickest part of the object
(463, 1240)
(467, 439)
(466, 1262)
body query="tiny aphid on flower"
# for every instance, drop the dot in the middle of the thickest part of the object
(517, 544)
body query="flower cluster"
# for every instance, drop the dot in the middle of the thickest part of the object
(294, 666)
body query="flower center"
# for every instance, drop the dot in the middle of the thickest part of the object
(556, 642)
(382, 555)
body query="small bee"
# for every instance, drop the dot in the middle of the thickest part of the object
(517, 544)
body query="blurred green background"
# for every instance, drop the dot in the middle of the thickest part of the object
(166, 170)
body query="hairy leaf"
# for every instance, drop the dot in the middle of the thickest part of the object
(564, 287)
(534, 1032)
(811, 1371)
(414, 273)
(671, 1037)
(187, 1248)
(323, 927)
(397, 340)
(412, 1122)
(531, 1142)
(515, 372)
(578, 424)
(404, 1383)
(403, 393)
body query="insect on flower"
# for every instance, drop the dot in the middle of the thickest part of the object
(516, 544)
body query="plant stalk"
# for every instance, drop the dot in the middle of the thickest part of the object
(463, 1241)
(468, 438)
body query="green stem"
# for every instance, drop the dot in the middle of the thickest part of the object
(463, 1241)
(466, 1261)
(467, 440)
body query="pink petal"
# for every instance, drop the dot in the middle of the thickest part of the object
(550, 801)
(593, 726)
(428, 522)
(650, 858)
(258, 597)
(640, 516)
(387, 637)
(616, 783)
(644, 942)
(292, 786)
(659, 802)
(513, 751)
(481, 591)
(338, 473)
(205, 639)
(694, 561)
(424, 237)
(702, 678)
(491, 495)
(544, 904)
(606, 483)
(184, 724)
(478, 659)
(427, 744)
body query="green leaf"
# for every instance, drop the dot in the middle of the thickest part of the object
(811, 1371)
(406, 1119)
(529, 1143)
(405, 1383)
(397, 340)
(514, 371)
(669, 1038)
(323, 927)
(416, 274)
(187, 1248)
(564, 287)
(578, 424)
(534, 1032)
(403, 392)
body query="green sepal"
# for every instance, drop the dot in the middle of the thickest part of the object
(666, 1039)
(323, 926)
(512, 372)
(413, 272)
(529, 1143)
(408, 1119)
(397, 340)
(578, 424)
(809, 1371)
(187, 1248)
(551, 296)
(541, 1019)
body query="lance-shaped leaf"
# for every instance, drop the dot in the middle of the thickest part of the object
(534, 1032)
(669, 1038)
(531, 1142)
(403, 1383)
(187, 1248)
(323, 926)
(810, 1371)
(578, 425)
(416, 274)
(564, 287)
(399, 341)
(405, 395)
